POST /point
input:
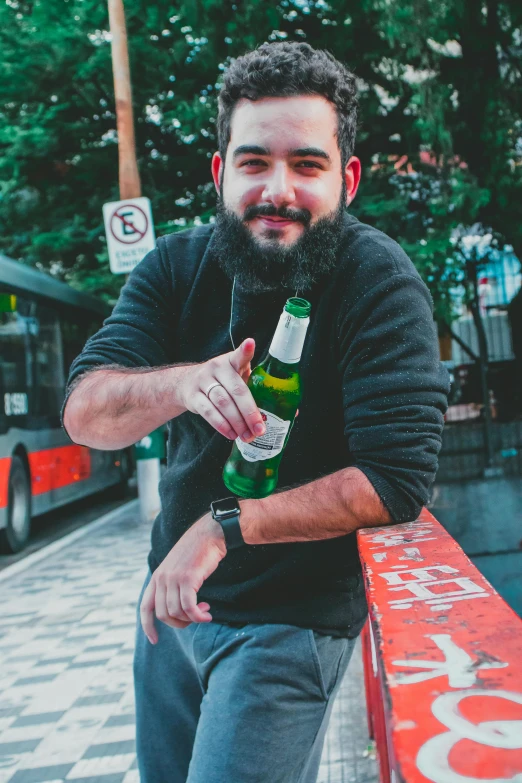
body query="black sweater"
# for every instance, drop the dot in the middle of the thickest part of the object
(374, 394)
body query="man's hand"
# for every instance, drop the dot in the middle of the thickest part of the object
(173, 588)
(229, 406)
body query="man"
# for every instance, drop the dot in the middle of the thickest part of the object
(240, 651)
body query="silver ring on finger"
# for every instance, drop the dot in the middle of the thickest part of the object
(212, 385)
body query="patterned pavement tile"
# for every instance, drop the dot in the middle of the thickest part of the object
(111, 734)
(120, 720)
(110, 749)
(103, 765)
(117, 778)
(41, 774)
(34, 680)
(21, 746)
(20, 734)
(39, 719)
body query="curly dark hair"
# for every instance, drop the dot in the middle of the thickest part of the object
(283, 70)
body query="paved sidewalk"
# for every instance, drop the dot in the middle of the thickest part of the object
(66, 645)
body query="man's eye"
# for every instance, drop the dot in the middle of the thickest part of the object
(254, 162)
(310, 163)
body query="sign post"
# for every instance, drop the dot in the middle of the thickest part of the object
(148, 452)
(130, 232)
(129, 177)
(128, 223)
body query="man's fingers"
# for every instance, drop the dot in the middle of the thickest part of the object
(175, 612)
(161, 602)
(154, 601)
(229, 406)
(242, 356)
(147, 612)
(162, 612)
(210, 413)
(230, 393)
(198, 613)
(247, 422)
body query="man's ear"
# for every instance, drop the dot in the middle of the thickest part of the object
(352, 177)
(217, 171)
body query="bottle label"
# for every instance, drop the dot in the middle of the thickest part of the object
(268, 445)
(287, 343)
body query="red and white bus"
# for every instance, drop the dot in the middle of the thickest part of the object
(44, 325)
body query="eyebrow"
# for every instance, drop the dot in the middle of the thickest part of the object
(301, 152)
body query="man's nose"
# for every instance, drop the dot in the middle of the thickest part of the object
(279, 189)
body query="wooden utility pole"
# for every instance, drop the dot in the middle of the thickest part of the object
(129, 177)
(148, 468)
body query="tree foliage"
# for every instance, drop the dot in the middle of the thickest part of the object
(440, 136)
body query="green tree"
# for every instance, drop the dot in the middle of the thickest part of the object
(462, 61)
(439, 137)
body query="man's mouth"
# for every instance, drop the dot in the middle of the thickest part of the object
(275, 222)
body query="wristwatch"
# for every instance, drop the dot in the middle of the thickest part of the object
(227, 513)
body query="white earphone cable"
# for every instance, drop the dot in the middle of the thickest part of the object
(232, 314)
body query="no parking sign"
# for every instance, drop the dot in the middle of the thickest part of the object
(129, 231)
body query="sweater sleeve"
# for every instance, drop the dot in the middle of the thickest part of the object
(140, 332)
(394, 391)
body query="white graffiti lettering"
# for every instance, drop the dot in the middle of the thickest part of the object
(439, 601)
(457, 666)
(419, 574)
(422, 580)
(412, 553)
(433, 757)
(407, 535)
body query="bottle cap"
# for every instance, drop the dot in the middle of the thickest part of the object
(298, 307)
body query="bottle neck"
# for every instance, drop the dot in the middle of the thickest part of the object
(288, 340)
(277, 368)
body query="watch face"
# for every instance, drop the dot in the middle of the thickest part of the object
(225, 507)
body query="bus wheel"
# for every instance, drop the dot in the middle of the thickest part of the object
(15, 536)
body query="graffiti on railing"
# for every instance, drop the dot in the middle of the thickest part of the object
(433, 757)
(419, 571)
(459, 667)
(421, 583)
(461, 670)
(410, 553)
(410, 533)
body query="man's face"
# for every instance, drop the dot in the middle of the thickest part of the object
(271, 171)
(282, 189)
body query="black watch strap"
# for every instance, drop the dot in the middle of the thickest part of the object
(232, 532)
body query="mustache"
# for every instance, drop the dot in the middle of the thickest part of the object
(299, 215)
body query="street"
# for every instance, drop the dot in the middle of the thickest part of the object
(66, 647)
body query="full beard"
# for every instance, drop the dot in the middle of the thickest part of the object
(270, 265)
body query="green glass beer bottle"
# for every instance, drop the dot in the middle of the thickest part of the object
(251, 471)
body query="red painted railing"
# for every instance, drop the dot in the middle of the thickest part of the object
(443, 661)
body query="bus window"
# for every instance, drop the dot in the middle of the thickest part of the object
(75, 334)
(14, 368)
(49, 379)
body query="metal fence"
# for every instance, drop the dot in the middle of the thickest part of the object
(483, 432)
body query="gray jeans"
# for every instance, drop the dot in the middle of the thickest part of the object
(219, 704)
